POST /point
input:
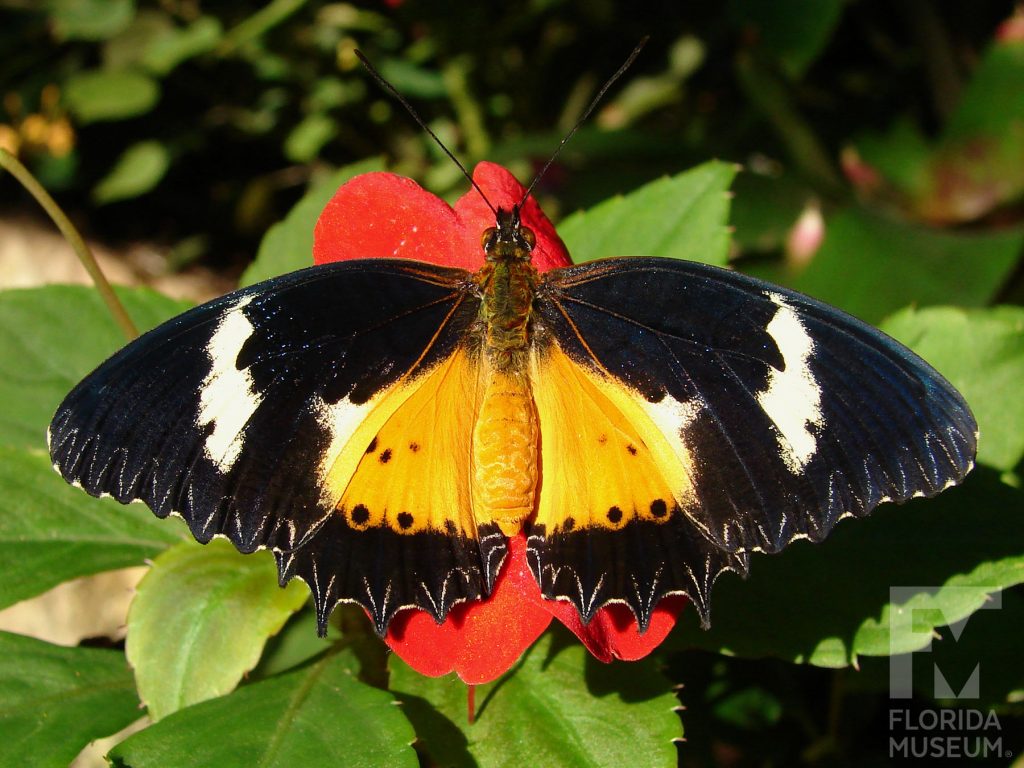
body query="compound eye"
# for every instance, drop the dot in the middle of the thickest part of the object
(487, 237)
(529, 237)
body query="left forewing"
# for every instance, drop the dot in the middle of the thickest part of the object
(248, 416)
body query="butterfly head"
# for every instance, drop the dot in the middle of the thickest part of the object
(509, 240)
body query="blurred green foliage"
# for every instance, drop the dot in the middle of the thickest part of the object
(883, 148)
(176, 119)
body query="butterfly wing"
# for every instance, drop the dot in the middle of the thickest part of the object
(768, 416)
(251, 417)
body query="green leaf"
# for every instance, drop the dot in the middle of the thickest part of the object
(984, 107)
(988, 645)
(50, 338)
(288, 245)
(412, 80)
(871, 266)
(794, 31)
(51, 532)
(981, 352)
(55, 700)
(829, 603)
(901, 154)
(320, 715)
(200, 619)
(181, 44)
(137, 170)
(295, 644)
(558, 708)
(765, 209)
(681, 217)
(306, 139)
(155, 43)
(96, 95)
(90, 19)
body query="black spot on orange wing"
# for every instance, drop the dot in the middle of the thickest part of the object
(405, 520)
(659, 508)
(385, 456)
(614, 515)
(360, 514)
(631, 449)
(414, 447)
(372, 446)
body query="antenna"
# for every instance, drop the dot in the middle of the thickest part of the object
(593, 104)
(600, 94)
(415, 116)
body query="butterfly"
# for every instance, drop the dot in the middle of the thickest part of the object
(383, 425)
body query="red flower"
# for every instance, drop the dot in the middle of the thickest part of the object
(380, 215)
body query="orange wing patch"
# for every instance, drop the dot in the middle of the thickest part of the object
(414, 473)
(604, 462)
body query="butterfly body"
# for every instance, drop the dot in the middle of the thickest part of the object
(505, 438)
(383, 425)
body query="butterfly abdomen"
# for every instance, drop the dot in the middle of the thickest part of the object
(505, 452)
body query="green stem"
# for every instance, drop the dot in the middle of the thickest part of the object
(11, 164)
(261, 22)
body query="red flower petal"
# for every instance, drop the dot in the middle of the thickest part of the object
(381, 215)
(613, 632)
(504, 191)
(480, 640)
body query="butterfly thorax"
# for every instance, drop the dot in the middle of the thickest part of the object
(508, 282)
(505, 437)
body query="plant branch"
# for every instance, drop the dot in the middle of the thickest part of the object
(12, 165)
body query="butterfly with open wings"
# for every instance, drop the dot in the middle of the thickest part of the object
(384, 425)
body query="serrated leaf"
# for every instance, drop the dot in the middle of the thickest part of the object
(872, 266)
(50, 338)
(981, 352)
(828, 603)
(680, 217)
(51, 532)
(200, 619)
(137, 170)
(318, 716)
(55, 700)
(90, 19)
(559, 707)
(986, 648)
(96, 95)
(288, 245)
